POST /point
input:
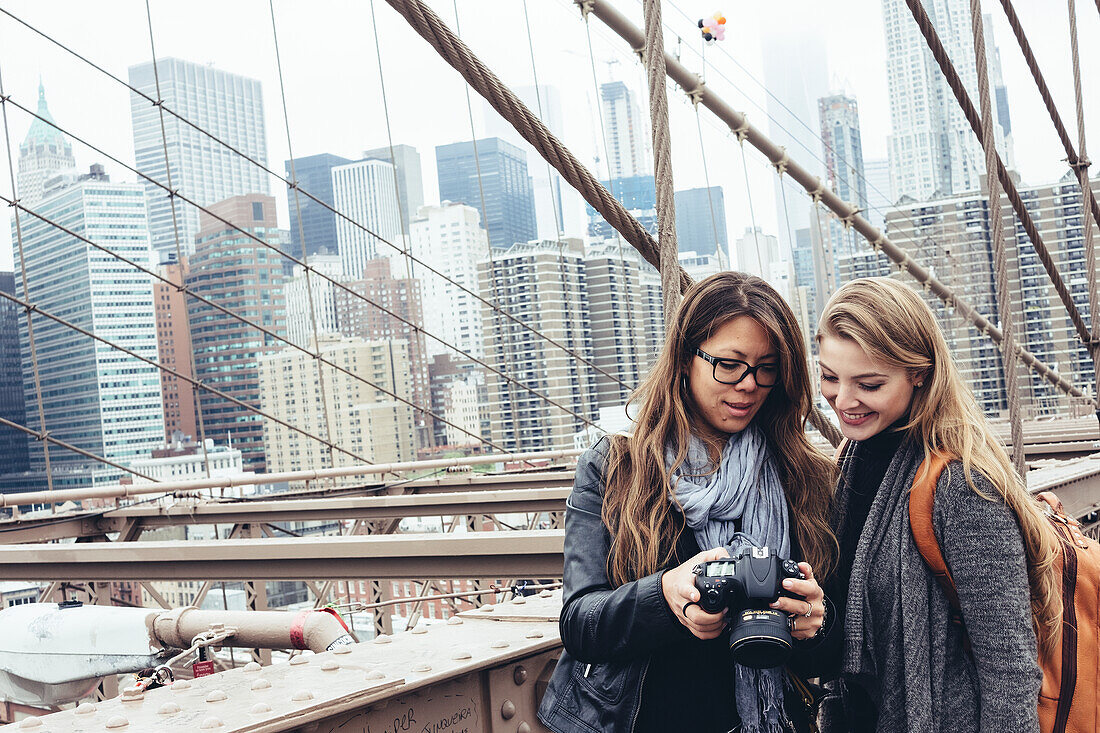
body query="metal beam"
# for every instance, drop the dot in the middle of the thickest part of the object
(521, 554)
(358, 507)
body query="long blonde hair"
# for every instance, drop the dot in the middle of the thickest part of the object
(894, 326)
(636, 507)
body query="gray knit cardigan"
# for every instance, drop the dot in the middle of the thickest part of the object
(900, 641)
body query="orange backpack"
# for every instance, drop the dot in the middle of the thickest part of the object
(1068, 699)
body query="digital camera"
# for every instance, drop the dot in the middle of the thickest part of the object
(747, 584)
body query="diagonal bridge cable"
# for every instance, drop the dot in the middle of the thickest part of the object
(634, 232)
(4, 100)
(932, 38)
(32, 307)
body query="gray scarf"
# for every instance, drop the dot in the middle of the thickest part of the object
(746, 486)
(877, 634)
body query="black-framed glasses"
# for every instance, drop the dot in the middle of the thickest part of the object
(733, 371)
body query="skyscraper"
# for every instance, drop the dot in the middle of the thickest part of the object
(364, 192)
(94, 397)
(542, 284)
(638, 195)
(558, 207)
(410, 180)
(933, 151)
(296, 292)
(795, 77)
(701, 221)
(43, 154)
(842, 148)
(626, 132)
(499, 175)
(240, 274)
(449, 238)
(174, 351)
(619, 340)
(401, 297)
(229, 107)
(363, 420)
(13, 443)
(318, 224)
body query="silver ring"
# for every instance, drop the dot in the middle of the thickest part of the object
(791, 622)
(809, 609)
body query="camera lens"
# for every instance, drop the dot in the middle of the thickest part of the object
(760, 638)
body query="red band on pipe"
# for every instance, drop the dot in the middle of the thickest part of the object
(297, 631)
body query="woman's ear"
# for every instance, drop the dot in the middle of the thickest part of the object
(917, 379)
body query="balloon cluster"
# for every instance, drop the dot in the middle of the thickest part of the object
(714, 27)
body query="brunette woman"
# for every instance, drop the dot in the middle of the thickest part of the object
(718, 458)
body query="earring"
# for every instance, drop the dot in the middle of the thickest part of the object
(919, 384)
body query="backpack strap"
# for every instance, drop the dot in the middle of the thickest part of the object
(920, 521)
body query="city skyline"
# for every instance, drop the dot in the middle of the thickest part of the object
(556, 61)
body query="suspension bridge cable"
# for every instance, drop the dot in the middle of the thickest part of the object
(23, 276)
(662, 159)
(916, 7)
(246, 321)
(1000, 258)
(194, 382)
(1048, 100)
(554, 205)
(45, 437)
(302, 238)
(513, 407)
(406, 237)
(1086, 195)
(611, 188)
(9, 100)
(846, 212)
(320, 202)
(196, 398)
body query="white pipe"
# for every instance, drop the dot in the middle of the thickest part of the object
(126, 490)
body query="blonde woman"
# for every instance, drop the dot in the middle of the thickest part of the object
(887, 373)
(718, 459)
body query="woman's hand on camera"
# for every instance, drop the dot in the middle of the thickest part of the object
(808, 615)
(682, 596)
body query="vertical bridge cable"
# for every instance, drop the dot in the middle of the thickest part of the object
(662, 159)
(505, 331)
(419, 370)
(14, 203)
(196, 397)
(302, 238)
(948, 68)
(1082, 167)
(1000, 259)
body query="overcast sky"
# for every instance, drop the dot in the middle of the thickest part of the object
(333, 93)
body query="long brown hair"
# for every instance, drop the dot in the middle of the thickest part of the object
(894, 326)
(637, 509)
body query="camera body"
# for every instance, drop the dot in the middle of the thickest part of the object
(747, 584)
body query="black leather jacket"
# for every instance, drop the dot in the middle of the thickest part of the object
(609, 634)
